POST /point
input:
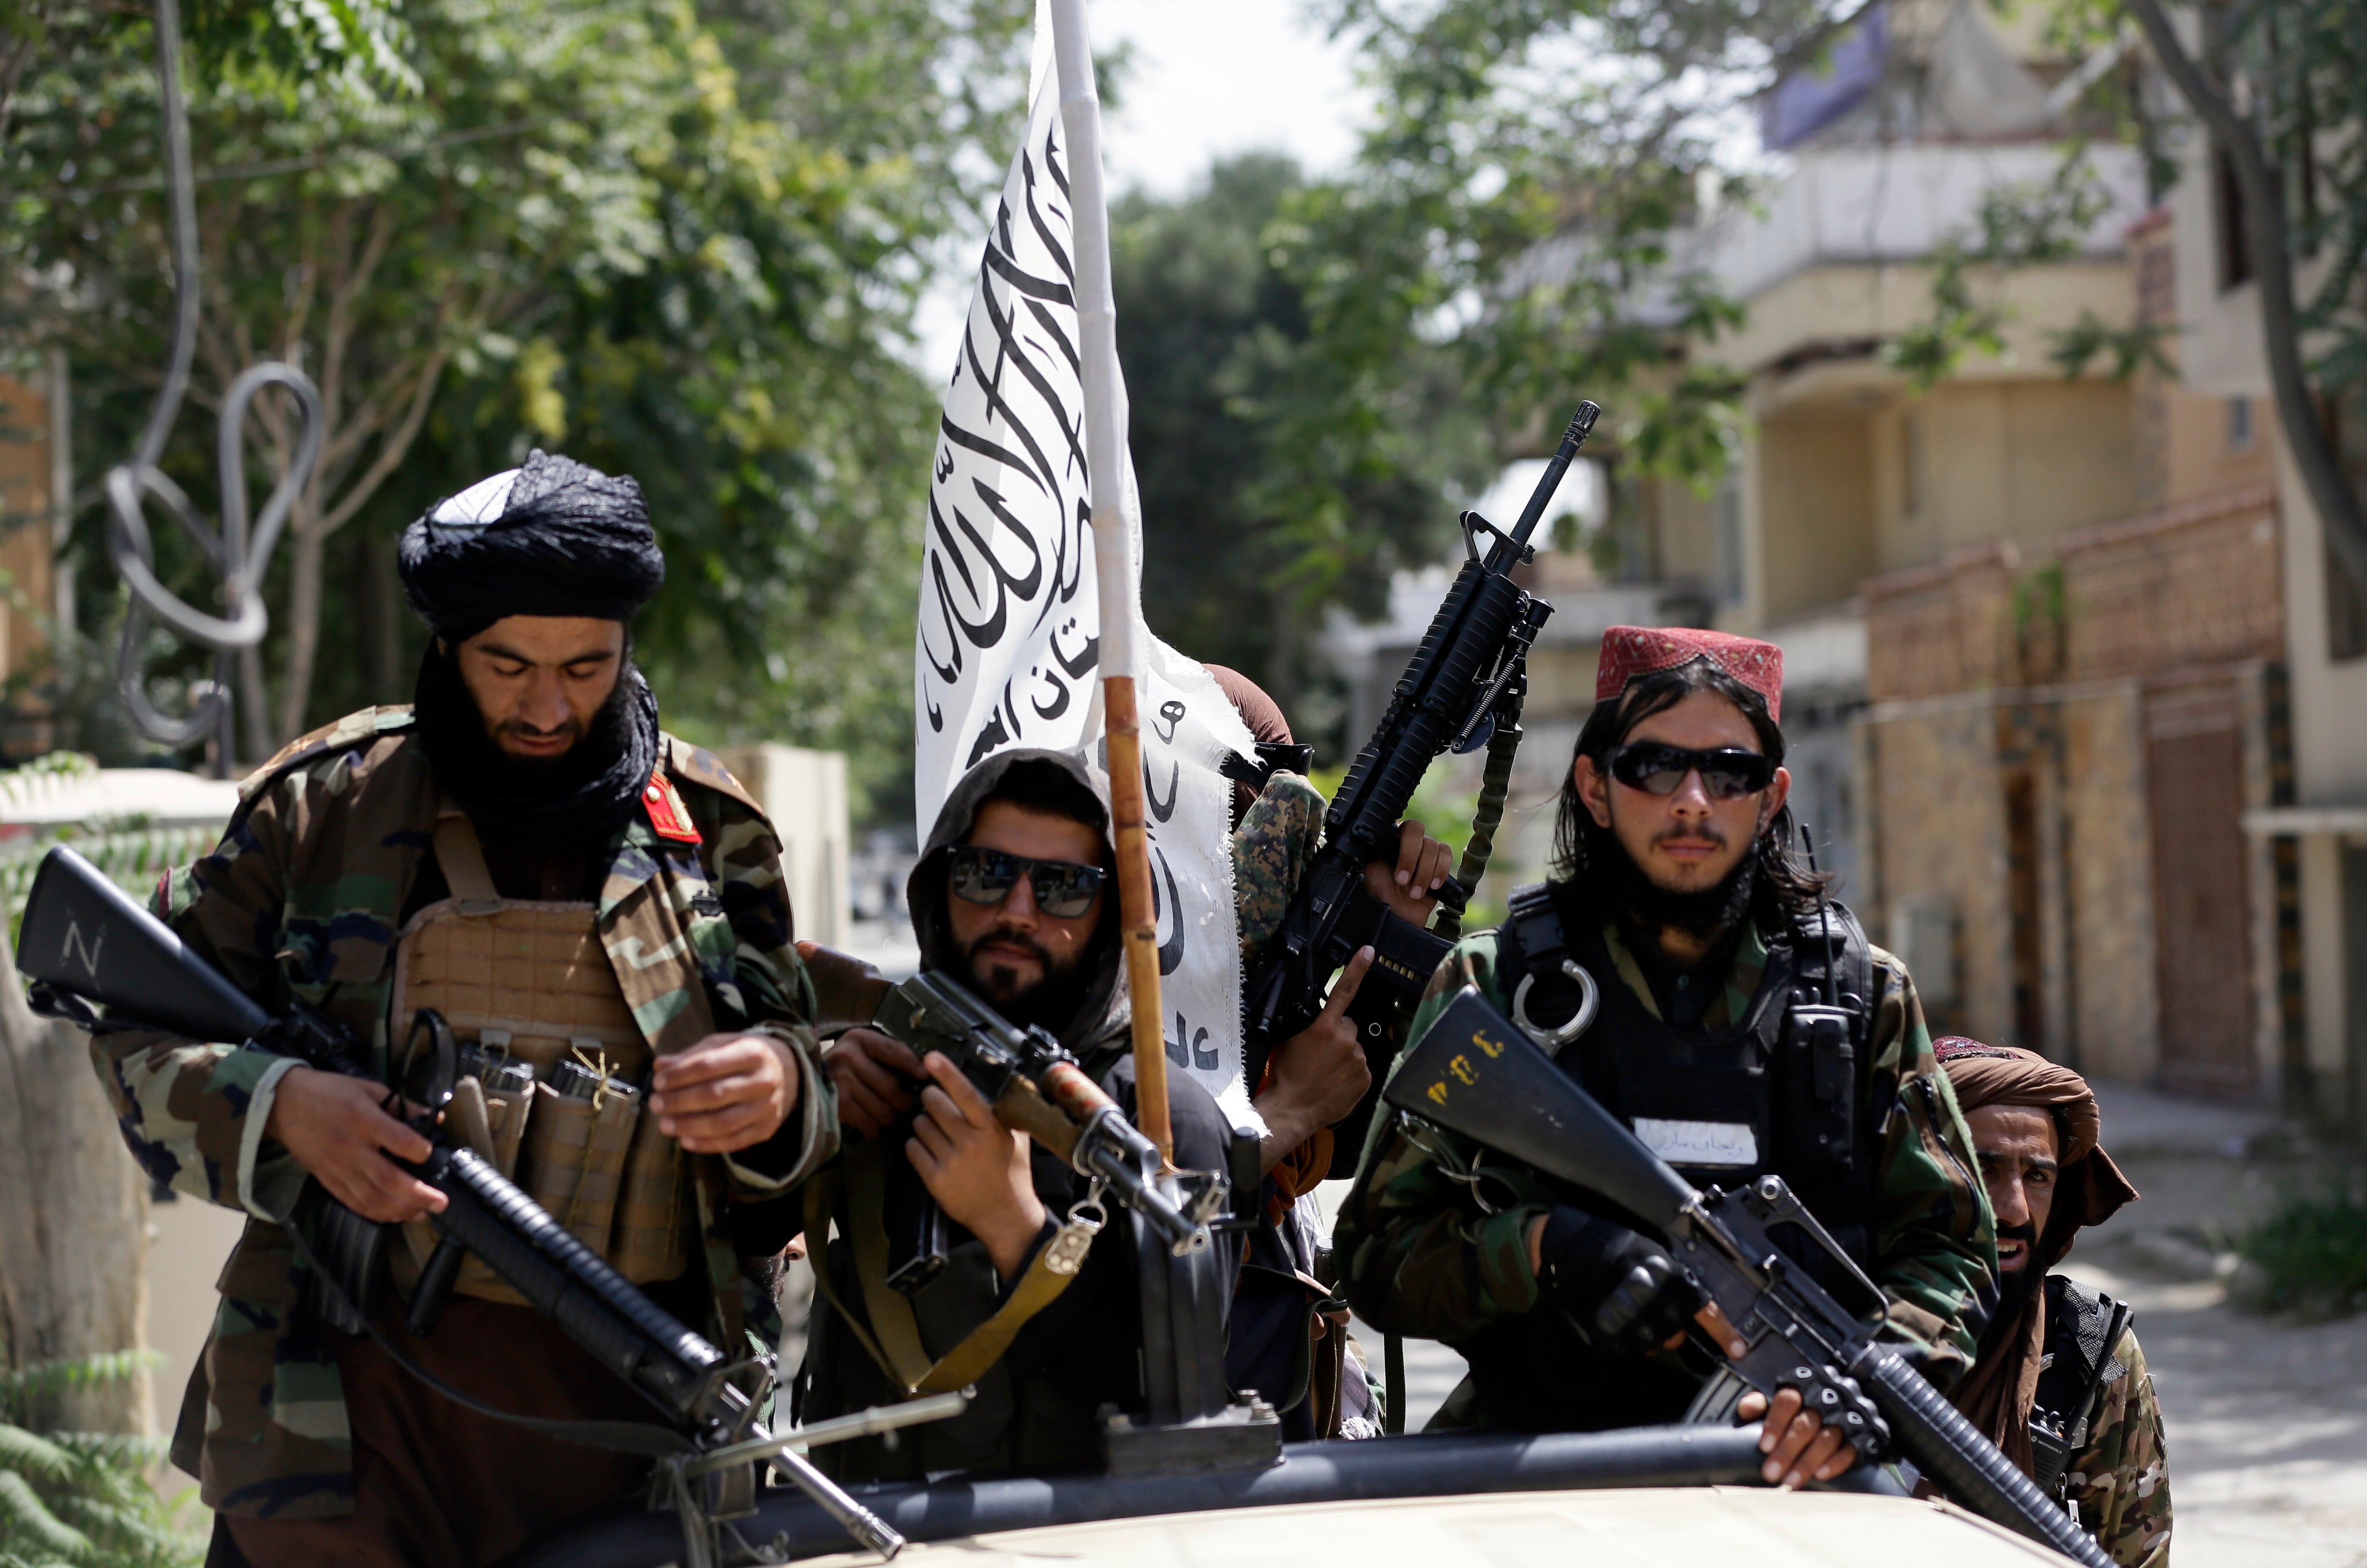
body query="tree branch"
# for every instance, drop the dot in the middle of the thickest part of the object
(2266, 234)
(392, 449)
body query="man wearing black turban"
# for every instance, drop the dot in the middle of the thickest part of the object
(599, 911)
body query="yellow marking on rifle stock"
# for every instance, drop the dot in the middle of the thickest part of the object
(1493, 1047)
(1438, 1093)
(1462, 1068)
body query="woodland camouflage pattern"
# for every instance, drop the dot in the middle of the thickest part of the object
(1420, 1257)
(2119, 1480)
(301, 899)
(1272, 849)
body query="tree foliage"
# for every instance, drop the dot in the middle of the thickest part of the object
(1272, 489)
(82, 1498)
(1521, 199)
(676, 240)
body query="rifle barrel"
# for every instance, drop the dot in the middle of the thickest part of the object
(1550, 480)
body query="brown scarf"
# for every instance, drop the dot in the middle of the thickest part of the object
(1997, 1394)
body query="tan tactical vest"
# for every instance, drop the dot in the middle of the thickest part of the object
(528, 984)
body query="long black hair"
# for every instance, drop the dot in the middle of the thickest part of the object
(1783, 889)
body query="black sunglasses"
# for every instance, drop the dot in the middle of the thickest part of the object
(1727, 774)
(1064, 889)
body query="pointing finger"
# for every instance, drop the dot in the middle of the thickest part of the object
(1410, 837)
(1344, 992)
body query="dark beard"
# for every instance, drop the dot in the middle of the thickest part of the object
(538, 805)
(1051, 1003)
(2014, 1289)
(1621, 884)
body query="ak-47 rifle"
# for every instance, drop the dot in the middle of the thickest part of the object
(1476, 1074)
(84, 942)
(1472, 657)
(1036, 1087)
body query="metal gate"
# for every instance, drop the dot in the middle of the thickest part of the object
(2202, 936)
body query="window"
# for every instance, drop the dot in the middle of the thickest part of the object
(2346, 595)
(2241, 433)
(1726, 544)
(2234, 247)
(1913, 470)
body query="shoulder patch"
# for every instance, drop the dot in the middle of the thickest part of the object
(668, 815)
(695, 765)
(354, 728)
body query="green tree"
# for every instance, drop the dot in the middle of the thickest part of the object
(1519, 199)
(683, 242)
(1259, 512)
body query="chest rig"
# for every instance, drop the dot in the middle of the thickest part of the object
(554, 1069)
(2083, 1326)
(1780, 1091)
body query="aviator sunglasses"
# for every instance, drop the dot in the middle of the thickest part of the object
(1727, 774)
(1064, 889)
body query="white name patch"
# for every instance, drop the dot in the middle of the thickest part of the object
(1699, 1143)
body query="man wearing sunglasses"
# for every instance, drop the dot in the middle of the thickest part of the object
(1012, 894)
(1662, 966)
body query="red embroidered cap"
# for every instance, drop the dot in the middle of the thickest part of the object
(1631, 651)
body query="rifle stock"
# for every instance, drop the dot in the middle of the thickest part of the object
(1474, 1073)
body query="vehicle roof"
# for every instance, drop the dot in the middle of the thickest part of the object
(1611, 1528)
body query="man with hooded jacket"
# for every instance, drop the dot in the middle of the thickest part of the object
(598, 911)
(1012, 895)
(2060, 1384)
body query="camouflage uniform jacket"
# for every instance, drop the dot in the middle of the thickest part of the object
(2119, 1479)
(1422, 1257)
(303, 898)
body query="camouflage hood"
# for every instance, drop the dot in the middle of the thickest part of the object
(1102, 1012)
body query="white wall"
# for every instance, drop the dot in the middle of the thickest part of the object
(804, 792)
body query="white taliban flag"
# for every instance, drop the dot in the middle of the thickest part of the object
(1009, 629)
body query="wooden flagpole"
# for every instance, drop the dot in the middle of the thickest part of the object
(1114, 565)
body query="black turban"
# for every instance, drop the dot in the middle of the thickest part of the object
(552, 538)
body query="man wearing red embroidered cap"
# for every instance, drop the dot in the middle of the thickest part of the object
(1660, 966)
(597, 911)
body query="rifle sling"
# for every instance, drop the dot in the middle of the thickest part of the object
(893, 1337)
(641, 1439)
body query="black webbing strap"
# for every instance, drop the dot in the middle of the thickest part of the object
(640, 1439)
(1533, 930)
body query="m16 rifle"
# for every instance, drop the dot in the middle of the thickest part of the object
(1471, 663)
(1038, 1088)
(1476, 1074)
(85, 943)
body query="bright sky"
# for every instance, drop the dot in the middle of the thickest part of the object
(1206, 78)
(1214, 77)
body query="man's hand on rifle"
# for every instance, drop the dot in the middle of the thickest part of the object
(1421, 868)
(728, 1092)
(338, 1129)
(1798, 1447)
(974, 1167)
(875, 1073)
(1318, 1075)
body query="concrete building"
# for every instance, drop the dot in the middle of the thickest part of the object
(2311, 826)
(2044, 636)
(2067, 599)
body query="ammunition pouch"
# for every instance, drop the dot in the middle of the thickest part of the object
(555, 1070)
